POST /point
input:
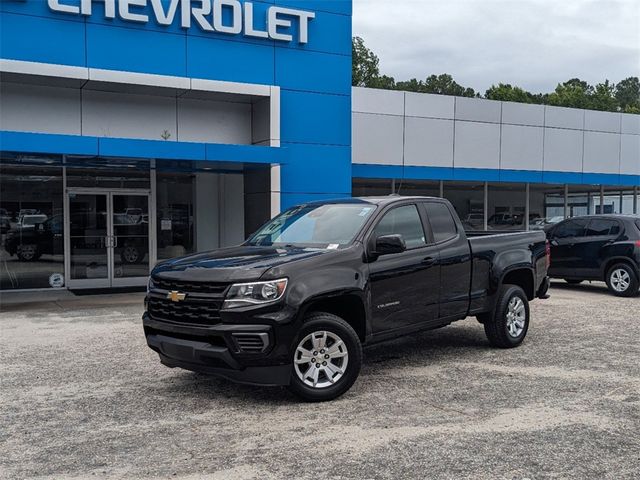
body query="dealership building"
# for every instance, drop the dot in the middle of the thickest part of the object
(139, 130)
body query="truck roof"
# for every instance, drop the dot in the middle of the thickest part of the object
(377, 200)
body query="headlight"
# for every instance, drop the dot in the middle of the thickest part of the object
(255, 293)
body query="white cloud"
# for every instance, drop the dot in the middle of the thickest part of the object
(531, 43)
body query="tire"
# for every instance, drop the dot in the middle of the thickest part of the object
(622, 281)
(573, 281)
(336, 374)
(509, 322)
(28, 253)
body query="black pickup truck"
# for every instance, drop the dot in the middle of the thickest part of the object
(294, 304)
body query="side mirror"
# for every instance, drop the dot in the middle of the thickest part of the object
(388, 244)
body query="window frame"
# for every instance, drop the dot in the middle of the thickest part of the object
(428, 220)
(554, 232)
(612, 220)
(425, 227)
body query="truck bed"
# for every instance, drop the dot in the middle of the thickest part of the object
(492, 253)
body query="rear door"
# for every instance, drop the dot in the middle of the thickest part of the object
(566, 260)
(600, 233)
(404, 286)
(455, 260)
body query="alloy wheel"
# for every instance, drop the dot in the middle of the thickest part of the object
(516, 317)
(321, 359)
(620, 280)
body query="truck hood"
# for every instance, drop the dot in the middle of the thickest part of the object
(243, 263)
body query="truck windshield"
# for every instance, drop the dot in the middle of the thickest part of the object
(322, 226)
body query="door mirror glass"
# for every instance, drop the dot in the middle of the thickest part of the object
(388, 244)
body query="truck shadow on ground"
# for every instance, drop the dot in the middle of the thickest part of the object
(465, 342)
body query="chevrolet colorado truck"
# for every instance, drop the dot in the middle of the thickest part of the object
(296, 302)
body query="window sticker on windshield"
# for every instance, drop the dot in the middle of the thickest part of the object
(365, 211)
(333, 246)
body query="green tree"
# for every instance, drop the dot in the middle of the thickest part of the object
(603, 98)
(444, 84)
(628, 94)
(573, 93)
(507, 93)
(365, 64)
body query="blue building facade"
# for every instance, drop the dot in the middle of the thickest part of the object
(252, 99)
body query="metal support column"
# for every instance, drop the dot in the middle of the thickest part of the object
(526, 207)
(441, 188)
(601, 199)
(635, 200)
(566, 200)
(486, 206)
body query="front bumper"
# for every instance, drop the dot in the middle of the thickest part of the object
(231, 351)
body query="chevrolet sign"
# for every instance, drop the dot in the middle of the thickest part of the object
(208, 14)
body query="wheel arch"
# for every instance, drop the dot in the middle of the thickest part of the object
(616, 260)
(348, 305)
(523, 277)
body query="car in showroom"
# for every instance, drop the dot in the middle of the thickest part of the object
(294, 304)
(599, 247)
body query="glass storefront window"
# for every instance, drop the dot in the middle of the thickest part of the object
(31, 224)
(371, 187)
(175, 208)
(108, 173)
(468, 200)
(546, 205)
(507, 207)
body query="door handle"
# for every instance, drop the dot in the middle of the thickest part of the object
(428, 261)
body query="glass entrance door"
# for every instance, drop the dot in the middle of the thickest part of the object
(130, 238)
(108, 239)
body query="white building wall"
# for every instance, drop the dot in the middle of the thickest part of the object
(396, 128)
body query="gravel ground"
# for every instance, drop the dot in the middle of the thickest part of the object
(83, 396)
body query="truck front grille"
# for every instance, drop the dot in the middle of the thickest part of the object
(194, 287)
(198, 312)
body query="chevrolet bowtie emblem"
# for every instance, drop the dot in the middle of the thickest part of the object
(176, 296)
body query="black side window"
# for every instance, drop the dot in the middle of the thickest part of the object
(600, 227)
(571, 228)
(404, 221)
(442, 223)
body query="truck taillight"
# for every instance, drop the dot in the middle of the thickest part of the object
(547, 252)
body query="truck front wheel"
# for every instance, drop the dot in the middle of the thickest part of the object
(326, 359)
(507, 326)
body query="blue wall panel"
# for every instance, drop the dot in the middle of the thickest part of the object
(37, 8)
(315, 72)
(39, 39)
(326, 34)
(230, 61)
(315, 118)
(134, 50)
(317, 169)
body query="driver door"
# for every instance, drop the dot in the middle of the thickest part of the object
(404, 286)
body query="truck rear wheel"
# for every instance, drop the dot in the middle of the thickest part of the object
(507, 326)
(326, 360)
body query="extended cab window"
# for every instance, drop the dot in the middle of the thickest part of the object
(570, 228)
(600, 227)
(442, 222)
(404, 221)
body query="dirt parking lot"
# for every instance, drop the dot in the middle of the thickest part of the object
(83, 396)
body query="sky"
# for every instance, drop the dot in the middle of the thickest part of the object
(534, 44)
